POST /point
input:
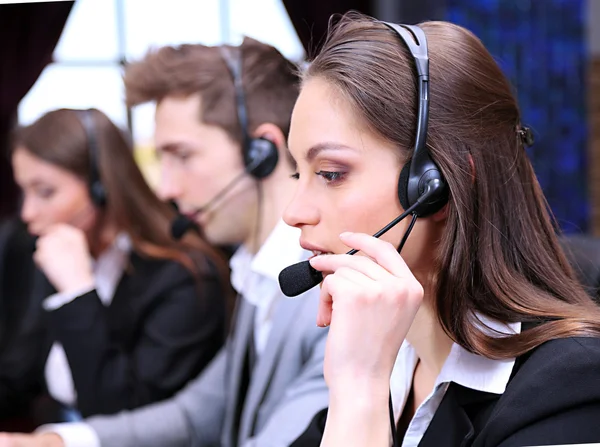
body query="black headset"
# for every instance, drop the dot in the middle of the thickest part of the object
(260, 154)
(96, 188)
(420, 173)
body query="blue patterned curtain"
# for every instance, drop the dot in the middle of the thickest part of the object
(541, 46)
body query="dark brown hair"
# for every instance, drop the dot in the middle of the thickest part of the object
(499, 255)
(59, 137)
(269, 80)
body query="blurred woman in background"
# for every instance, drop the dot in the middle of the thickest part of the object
(123, 315)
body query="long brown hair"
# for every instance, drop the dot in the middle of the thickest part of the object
(499, 255)
(59, 137)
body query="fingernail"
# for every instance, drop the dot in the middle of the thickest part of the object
(346, 234)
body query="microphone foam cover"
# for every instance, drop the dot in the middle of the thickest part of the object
(298, 278)
(181, 225)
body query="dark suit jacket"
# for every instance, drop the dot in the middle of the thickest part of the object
(553, 397)
(160, 330)
(16, 275)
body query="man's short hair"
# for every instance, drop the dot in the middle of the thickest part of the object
(270, 83)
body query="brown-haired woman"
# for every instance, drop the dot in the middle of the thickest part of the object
(134, 315)
(479, 331)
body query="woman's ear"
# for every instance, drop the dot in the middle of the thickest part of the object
(442, 214)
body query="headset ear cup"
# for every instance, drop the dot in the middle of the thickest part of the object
(98, 194)
(261, 157)
(403, 185)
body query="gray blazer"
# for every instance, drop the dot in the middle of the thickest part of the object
(286, 390)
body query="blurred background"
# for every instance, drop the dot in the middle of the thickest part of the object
(71, 54)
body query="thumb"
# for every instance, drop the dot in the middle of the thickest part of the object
(325, 306)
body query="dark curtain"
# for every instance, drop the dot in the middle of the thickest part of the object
(29, 33)
(311, 17)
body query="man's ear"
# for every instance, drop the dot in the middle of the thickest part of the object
(272, 133)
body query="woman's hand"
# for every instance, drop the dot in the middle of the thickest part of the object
(369, 302)
(63, 255)
(21, 440)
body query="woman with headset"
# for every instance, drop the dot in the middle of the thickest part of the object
(477, 333)
(121, 315)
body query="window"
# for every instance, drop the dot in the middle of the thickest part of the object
(100, 36)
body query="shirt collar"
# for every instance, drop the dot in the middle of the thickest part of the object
(281, 249)
(110, 265)
(476, 371)
(463, 367)
(120, 247)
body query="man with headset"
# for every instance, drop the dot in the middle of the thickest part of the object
(222, 119)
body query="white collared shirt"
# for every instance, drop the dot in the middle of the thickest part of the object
(256, 277)
(462, 367)
(107, 271)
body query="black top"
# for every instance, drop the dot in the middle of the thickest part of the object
(161, 329)
(553, 397)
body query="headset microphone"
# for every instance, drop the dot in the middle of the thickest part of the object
(300, 277)
(183, 223)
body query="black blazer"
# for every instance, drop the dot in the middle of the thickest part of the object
(160, 330)
(16, 276)
(553, 397)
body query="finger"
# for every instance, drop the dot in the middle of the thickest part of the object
(22, 440)
(359, 279)
(335, 285)
(7, 440)
(384, 253)
(326, 301)
(362, 264)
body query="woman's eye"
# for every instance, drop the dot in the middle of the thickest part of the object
(295, 175)
(331, 176)
(45, 193)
